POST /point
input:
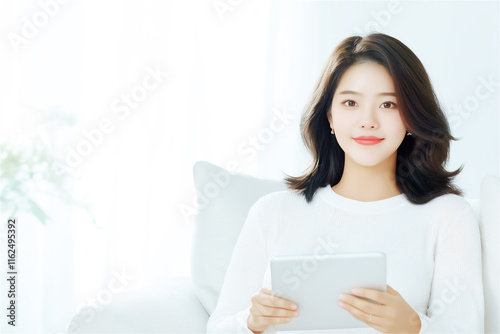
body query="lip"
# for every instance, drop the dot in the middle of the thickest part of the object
(368, 140)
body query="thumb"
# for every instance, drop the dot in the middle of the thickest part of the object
(391, 291)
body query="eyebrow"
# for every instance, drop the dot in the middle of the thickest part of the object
(356, 93)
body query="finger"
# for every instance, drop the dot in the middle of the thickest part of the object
(365, 306)
(260, 308)
(263, 320)
(391, 291)
(269, 311)
(373, 294)
(364, 316)
(275, 320)
(274, 301)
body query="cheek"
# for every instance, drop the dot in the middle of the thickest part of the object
(394, 122)
(342, 119)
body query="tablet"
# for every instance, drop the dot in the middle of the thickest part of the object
(315, 281)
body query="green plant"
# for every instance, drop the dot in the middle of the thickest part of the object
(28, 171)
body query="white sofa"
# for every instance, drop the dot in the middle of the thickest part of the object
(184, 304)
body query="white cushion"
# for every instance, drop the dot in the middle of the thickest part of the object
(224, 199)
(488, 225)
(474, 202)
(167, 305)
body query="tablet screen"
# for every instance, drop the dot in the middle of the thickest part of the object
(314, 282)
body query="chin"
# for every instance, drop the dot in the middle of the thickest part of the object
(369, 160)
(368, 163)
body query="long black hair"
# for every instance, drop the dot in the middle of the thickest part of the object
(420, 172)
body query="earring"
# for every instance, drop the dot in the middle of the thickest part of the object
(332, 131)
(408, 134)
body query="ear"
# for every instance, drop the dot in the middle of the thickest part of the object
(329, 116)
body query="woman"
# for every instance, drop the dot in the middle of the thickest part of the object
(379, 140)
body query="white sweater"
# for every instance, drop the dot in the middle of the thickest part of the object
(433, 254)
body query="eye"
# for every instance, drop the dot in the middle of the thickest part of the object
(386, 105)
(389, 103)
(348, 101)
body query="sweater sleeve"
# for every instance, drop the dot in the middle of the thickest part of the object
(244, 276)
(456, 303)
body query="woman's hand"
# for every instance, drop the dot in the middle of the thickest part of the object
(393, 315)
(269, 310)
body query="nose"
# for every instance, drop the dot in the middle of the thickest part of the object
(368, 119)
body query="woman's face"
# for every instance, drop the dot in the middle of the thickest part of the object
(361, 107)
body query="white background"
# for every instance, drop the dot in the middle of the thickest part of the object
(229, 73)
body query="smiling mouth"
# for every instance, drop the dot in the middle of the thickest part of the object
(368, 141)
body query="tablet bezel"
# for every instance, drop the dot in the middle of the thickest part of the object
(325, 277)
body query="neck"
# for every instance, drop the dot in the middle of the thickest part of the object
(368, 183)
